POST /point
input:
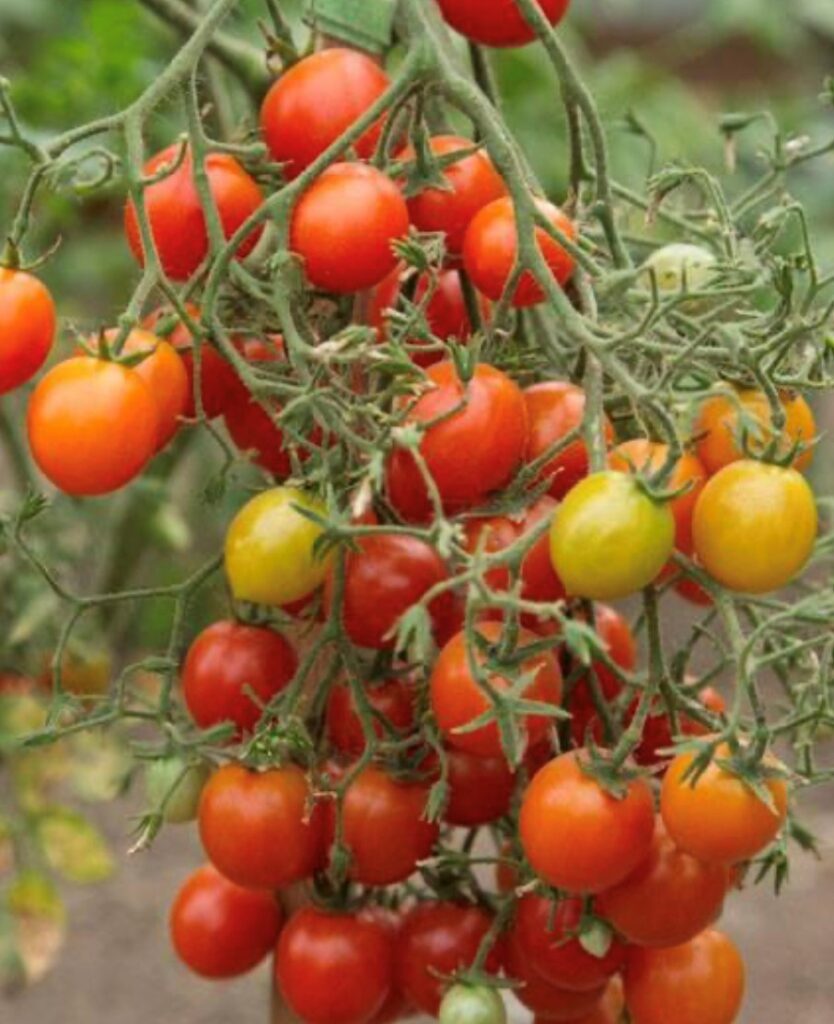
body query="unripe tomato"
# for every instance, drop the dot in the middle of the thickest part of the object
(165, 374)
(93, 425)
(27, 327)
(699, 982)
(674, 264)
(220, 930)
(472, 183)
(392, 700)
(719, 819)
(467, 1004)
(490, 251)
(577, 836)
(755, 526)
(177, 782)
(547, 1001)
(176, 216)
(480, 789)
(609, 538)
(269, 548)
(344, 226)
(500, 22)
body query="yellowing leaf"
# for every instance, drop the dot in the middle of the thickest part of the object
(74, 848)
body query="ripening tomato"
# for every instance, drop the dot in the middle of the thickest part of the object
(92, 424)
(556, 409)
(270, 556)
(490, 251)
(27, 327)
(176, 216)
(457, 699)
(668, 899)
(699, 982)
(472, 1004)
(164, 372)
(577, 836)
(221, 930)
(480, 789)
(719, 818)
(392, 702)
(173, 785)
(257, 829)
(755, 526)
(548, 1002)
(722, 419)
(548, 935)
(231, 671)
(471, 452)
(334, 968)
(500, 22)
(344, 226)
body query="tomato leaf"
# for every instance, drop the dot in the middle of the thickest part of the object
(73, 847)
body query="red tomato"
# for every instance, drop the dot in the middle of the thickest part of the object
(545, 1000)
(176, 216)
(547, 936)
(700, 982)
(480, 789)
(457, 699)
(472, 452)
(555, 409)
(621, 647)
(257, 829)
(334, 968)
(225, 663)
(492, 535)
(220, 930)
(498, 23)
(609, 1010)
(164, 372)
(27, 327)
(392, 700)
(317, 100)
(490, 251)
(472, 183)
(577, 836)
(344, 226)
(93, 425)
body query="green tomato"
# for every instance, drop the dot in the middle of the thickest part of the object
(465, 1004)
(671, 263)
(161, 777)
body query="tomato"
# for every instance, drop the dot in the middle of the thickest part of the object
(720, 819)
(491, 535)
(164, 372)
(457, 699)
(93, 425)
(257, 829)
(507, 876)
(556, 409)
(84, 672)
(384, 577)
(177, 782)
(722, 418)
(176, 216)
(755, 526)
(699, 982)
(344, 226)
(472, 452)
(220, 930)
(619, 643)
(490, 251)
(316, 101)
(577, 836)
(468, 1004)
(499, 23)
(270, 556)
(480, 789)
(437, 939)
(609, 1010)
(391, 700)
(545, 1000)
(232, 671)
(27, 327)
(609, 538)
(334, 968)
(677, 264)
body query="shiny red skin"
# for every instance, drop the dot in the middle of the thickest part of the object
(499, 22)
(176, 217)
(344, 226)
(393, 699)
(225, 662)
(163, 370)
(317, 100)
(27, 327)
(618, 640)
(334, 968)
(547, 1001)
(472, 452)
(220, 930)
(480, 789)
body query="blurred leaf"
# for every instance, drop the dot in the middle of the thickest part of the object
(35, 894)
(74, 847)
(99, 767)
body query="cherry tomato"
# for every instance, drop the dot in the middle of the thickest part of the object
(480, 789)
(468, 1004)
(699, 982)
(334, 968)
(257, 829)
(755, 526)
(165, 374)
(490, 251)
(609, 538)
(344, 226)
(499, 23)
(491, 535)
(609, 1010)
(547, 1001)
(457, 699)
(93, 425)
(27, 327)
(177, 782)
(176, 216)
(719, 819)
(391, 700)
(317, 100)
(677, 264)
(577, 836)
(471, 452)
(506, 869)
(619, 643)
(270, 556)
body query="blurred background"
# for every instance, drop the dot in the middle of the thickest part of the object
(663, 72)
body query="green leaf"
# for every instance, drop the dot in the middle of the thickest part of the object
(595, 936)
(74, 848)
